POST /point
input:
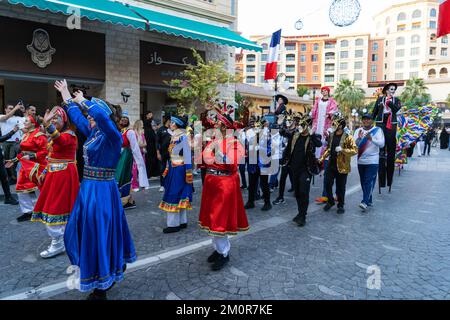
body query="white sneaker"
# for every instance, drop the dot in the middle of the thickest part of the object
(161, 189)
(136, 190)
(55, 248)
(363, 206)
(147, 188)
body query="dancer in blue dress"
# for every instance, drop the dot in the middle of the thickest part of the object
(178, 179)
(97, 238)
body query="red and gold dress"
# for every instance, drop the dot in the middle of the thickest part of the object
(222, 210)
(61, 184)
(34, 144)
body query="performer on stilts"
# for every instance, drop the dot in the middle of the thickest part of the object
(322, 114)
(97, 238)
(130, 151)
(385, 116)
(222, 210)
(178, 179)
(33, 158)
(61, 185)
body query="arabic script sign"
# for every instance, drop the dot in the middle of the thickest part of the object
(161, 63)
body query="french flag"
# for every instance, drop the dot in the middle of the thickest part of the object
(271, 66)
(444, 19)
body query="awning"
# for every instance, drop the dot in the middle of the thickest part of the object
(145, 19)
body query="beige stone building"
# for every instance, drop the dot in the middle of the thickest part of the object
(116, 53)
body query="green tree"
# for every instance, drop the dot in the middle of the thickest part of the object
(302, 90)
(415, 93)
(448, 100)
(198, 86)
(349, 96)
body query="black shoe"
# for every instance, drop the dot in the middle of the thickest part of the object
(11, 200)
(129, 205)
(243, 187)
(278, 201)
(328, 206)
(215, 255)
(171, 229)
(24, 217)
(183, 226)
(97, 295)
(249, 205)
(258, 197)
(267, 206)
(220, 262)
(340, 211)
(300, 220)
(291, 190)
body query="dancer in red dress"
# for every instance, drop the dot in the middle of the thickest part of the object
(222, 210)
(61, 185)
(33, 159)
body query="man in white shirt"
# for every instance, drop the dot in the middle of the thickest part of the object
(369, 140)
(13, 116)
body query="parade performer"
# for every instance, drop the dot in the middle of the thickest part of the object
(97, 238)
(301, 159)
(280, 107)
(222, 210)
(61, 185)
(341, 147)
(33, 159)
(260, 165)
(369, 140)
(130, 151)
(178, 179)
(385, 116)
(322, 112)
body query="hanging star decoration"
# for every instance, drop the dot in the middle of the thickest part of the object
(344, 13)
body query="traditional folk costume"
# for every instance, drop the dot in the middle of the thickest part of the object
(222, 210)
(130, 151)
(301, 159)
(385, 116)
(135, 172)
(178, 179)
(33, 144)
(60, 187)
(340, 149)
(97, 237)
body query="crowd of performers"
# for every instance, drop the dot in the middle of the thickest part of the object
(87, 220)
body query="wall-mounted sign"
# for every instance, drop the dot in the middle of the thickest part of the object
(161, 63)
(40, 48)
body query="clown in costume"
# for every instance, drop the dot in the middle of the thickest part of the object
(130, 151)
(33, 159)
(222, 210)
(97, 238)
(178, 179)
(61, 185)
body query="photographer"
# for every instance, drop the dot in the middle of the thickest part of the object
(13, 116)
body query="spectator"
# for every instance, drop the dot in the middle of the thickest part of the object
(151, 159)
(3, 175)
(138, 129)
(163, 141)
(428, 139)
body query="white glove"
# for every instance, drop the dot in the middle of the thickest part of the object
(311, 132)
(338, 149)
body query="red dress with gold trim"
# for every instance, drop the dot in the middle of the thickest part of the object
(34, 144)
(61, 184)
(222, 210)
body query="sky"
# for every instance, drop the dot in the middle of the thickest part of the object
(260, 17)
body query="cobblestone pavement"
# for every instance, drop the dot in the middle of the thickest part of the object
(400, 249)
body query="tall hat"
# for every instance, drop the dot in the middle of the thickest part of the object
(285, 100)
(305, 120)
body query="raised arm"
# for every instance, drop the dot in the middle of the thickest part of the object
(10, 134)
(9, 114)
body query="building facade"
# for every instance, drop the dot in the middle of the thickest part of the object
(124, 65)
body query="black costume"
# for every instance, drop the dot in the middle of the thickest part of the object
(163, 138)
(388, 122)
(3, 174)
(151, 160)
(444, 138)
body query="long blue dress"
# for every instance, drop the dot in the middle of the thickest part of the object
(97, 237)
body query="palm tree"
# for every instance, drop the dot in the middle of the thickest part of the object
(415, 93)
(302, 90)
(349, 96)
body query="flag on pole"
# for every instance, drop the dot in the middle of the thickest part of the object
(271, 66)
(444, 19)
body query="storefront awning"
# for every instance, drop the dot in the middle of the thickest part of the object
(145, 19)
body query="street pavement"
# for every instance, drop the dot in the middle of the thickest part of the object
(400, 249)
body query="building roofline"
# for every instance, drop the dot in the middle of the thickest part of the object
(404, 5)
